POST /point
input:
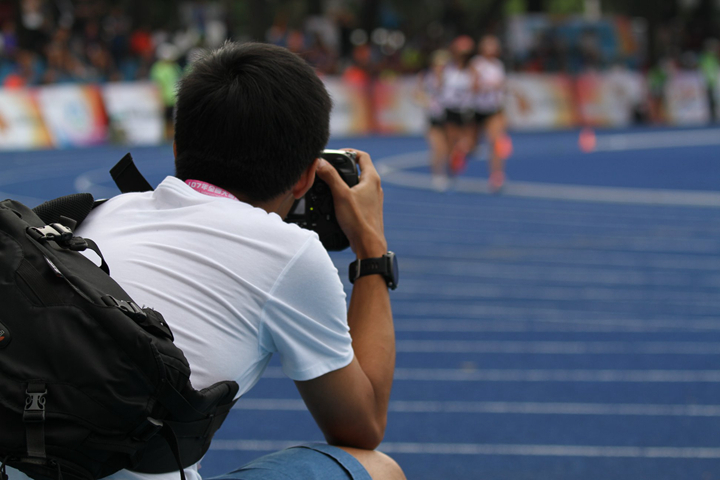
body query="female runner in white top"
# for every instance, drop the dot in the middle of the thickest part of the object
(459, 85)
(489, 101)
(428, 93)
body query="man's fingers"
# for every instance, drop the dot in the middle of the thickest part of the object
(365, 163)
(329, 175)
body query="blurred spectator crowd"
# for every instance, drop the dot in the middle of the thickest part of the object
(61, 41)
(56, 41)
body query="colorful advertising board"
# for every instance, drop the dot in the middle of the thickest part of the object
(610, 99)
(351, 109)
(21, 126)
(397, 110)
(537, 101)
(686, 99)
(73, 114)
(135, 111)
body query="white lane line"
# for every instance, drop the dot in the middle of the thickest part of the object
(485, 270)
(521, 408)
(392, 170)
(516, 375)
(92, 181)
(558, 348)
(570, 240)
(550, 450)
(538, 210)
(493, 226)
(657, 140)
(513, 375)
(524, 324)
(619, 217)
(493, 449)
(29, 201)
(549, 257)
(428, 288)
(687, 320)
(573, 239)
(54, 169)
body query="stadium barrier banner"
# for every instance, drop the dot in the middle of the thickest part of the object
(686, 100)
(539, 101)
(77, 115)
(73, 114)
(21, 125)
(396, 109)
(135, 111)
(351, 107)
(610, 99)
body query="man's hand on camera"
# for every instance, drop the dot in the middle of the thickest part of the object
(359, 209)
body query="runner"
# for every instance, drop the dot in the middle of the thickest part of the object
(459, 82)
(489, 101)
(428, 91)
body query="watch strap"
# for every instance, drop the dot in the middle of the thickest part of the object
(368, 266)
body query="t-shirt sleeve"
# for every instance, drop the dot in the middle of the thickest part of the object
(305, 317)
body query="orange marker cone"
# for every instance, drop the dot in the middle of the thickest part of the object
(587, 140)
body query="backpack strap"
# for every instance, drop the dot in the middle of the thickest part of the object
(63, 237)
(127, 177)
(169, 435)
(34, 419)
(69, 210)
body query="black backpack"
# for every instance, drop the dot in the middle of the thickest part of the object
(90, 383)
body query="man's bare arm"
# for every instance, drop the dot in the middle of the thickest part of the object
(350, 404)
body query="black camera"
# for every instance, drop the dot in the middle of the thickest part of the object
(316, 210)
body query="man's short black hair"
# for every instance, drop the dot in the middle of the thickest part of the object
(250, 118)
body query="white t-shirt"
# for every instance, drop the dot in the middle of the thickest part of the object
(457, 88)
(432, 87)
(235, 283)
(491, 78)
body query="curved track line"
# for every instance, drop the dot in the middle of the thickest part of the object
(394, 170)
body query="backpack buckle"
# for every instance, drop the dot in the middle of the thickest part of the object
(129, 308)
(34, 406)
(60, 234)
(55, 231)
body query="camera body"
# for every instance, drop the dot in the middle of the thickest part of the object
(316, 210)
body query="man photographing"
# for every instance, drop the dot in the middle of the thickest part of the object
(209, 249)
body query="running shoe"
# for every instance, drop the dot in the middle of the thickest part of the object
(440, 183)
(458, 161)
(496, 182)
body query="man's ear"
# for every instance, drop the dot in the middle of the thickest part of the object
(306, 180)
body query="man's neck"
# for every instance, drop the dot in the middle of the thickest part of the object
(280, 204)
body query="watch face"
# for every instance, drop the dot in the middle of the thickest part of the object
(394, 271)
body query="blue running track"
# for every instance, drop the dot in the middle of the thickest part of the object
(568, 328)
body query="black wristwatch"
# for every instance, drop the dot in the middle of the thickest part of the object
(386, 266)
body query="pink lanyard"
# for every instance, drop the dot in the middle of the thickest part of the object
(209, 189)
